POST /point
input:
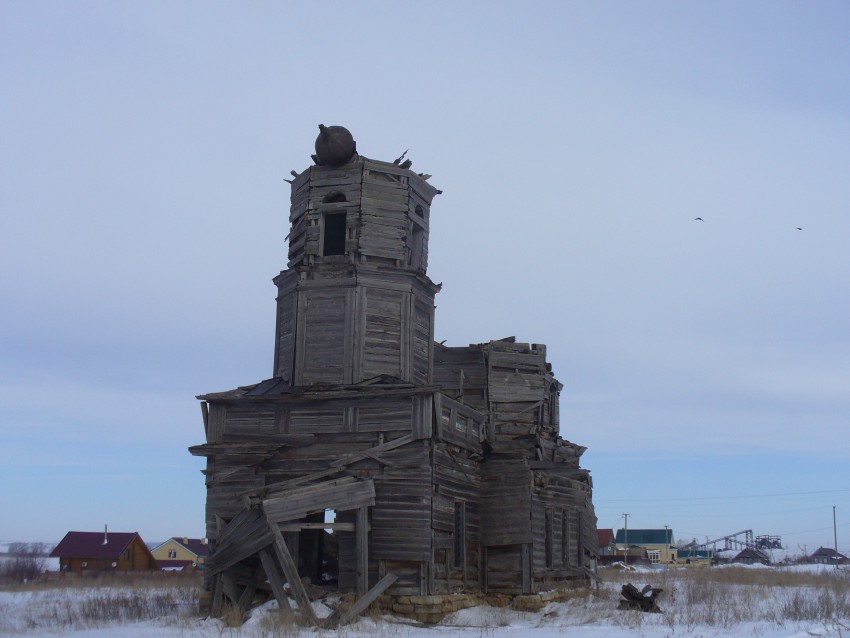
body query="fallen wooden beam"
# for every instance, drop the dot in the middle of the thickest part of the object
(276, 581)
(337, 618)
(291, 572)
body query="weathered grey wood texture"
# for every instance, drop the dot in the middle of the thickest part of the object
(444, 465)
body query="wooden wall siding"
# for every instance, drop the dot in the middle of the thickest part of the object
(402, 512)
(395, 414)
(285, 337)
(250, 419)
(571, 501)
(316, 419)
(223, 501)
(215, 422)
(461, 372)
(423, 340)
(322, 337)
(383, 338)
(504, 566)
(456, 480)
(516, 376)
(505, 502)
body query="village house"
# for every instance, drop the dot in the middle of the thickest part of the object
(828, 556)
(439, 471)
(605, 542)
(656, 544)
(751, 556)
(181, 553)
(87, 552)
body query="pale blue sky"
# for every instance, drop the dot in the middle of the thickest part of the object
(706, 364)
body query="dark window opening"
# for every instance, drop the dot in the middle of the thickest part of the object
(553, 404)
(334, 241)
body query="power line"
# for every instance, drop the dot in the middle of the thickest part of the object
(716, 498)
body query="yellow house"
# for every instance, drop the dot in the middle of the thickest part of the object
(657, 544)
(181, 552)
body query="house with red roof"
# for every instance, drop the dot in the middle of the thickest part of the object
(103, 551)
(607, 545)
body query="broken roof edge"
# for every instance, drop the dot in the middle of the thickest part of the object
(277, 387)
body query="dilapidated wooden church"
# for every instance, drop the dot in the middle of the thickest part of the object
(442, 466)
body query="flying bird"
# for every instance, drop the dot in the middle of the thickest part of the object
(698, 219)
(798, 228)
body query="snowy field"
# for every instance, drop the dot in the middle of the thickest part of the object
(729, 601)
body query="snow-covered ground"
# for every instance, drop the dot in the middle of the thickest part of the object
(763, 602)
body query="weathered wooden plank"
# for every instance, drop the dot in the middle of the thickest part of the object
(276, 581)
(290, 570)
(362, 550)
(364, 601)
(336, 495)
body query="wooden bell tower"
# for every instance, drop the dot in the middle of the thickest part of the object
(355, 302)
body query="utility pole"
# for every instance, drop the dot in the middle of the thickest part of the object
(626, 538)
(835, 536)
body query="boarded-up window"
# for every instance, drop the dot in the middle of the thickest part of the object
(462, 424)
(565, 538)
(550, 537)
(460, 534)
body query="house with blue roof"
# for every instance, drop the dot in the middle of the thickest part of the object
(656, 543)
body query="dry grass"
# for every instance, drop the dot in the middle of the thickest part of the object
(74, 603)
(136, 580)
(728, 596)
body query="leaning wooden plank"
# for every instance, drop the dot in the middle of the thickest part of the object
(361, 604)
(291, 572)
(276, 581)
(217, 597)
(362, 545)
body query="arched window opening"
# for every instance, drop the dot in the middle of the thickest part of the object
(334, 197)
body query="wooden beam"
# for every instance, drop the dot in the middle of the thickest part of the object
(336, 618)
(362, 550)
(276, 581)
(297, 527)
(291, 572)
(215, 606)
(247, 596)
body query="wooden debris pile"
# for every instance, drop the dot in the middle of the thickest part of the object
(256, 533)
(640, 599)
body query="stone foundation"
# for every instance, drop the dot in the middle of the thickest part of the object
(432, 609)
